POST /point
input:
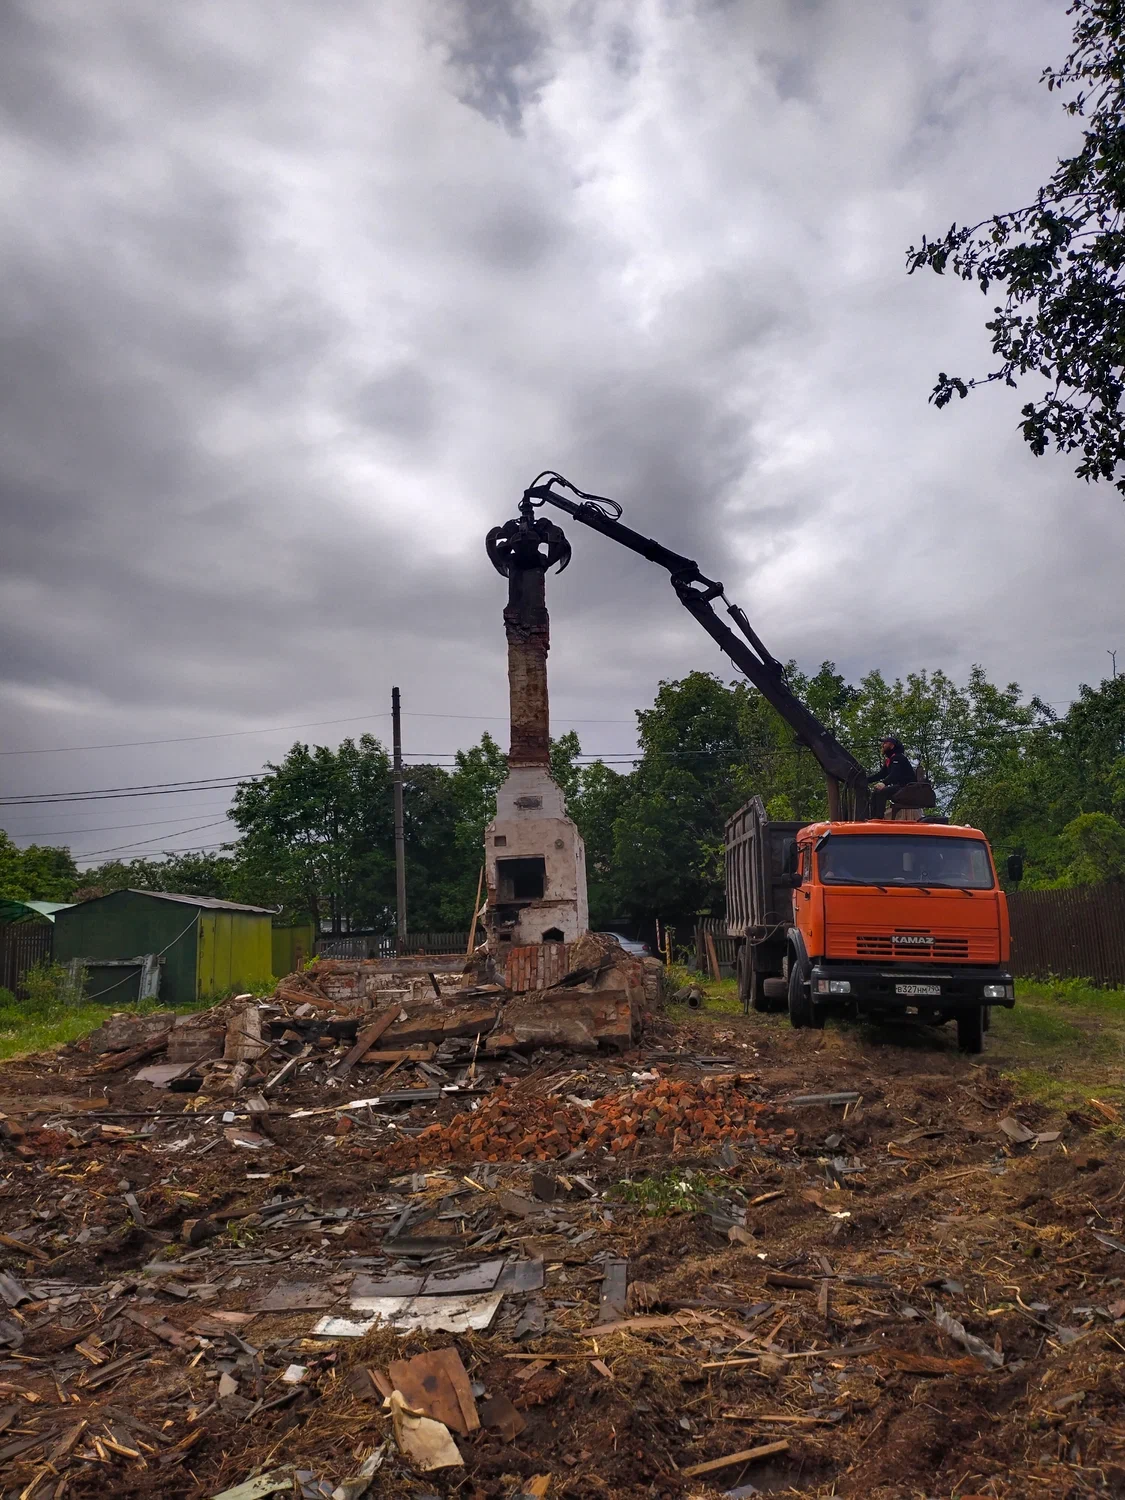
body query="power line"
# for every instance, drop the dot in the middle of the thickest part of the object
(191, 849)
(141, 843)
(187, 739)
(226, 734)
(58, 833)
(150, 789)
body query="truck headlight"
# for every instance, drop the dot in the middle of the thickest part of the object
(833, 987)
(997, 991)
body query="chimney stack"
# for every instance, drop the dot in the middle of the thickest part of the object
(535, 861)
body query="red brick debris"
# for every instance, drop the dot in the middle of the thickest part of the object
(508, 1126)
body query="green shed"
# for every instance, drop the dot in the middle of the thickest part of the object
(206, 948)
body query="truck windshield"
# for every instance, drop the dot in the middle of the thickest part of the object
(875, 859)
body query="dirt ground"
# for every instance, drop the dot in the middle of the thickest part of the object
(918, 1289)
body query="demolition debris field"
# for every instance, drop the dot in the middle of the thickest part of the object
(732, 1258)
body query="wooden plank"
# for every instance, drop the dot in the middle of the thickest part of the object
(712, 956)
(746, 1456)
(366, 1040)
(401, 1054)
(476, 910)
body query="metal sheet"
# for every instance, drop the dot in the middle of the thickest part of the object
(447, 1314)
(462, 1279)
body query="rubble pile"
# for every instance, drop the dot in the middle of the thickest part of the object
(823, 1266)
(680, 1115)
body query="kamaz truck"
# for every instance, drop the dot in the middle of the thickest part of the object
(878, 918)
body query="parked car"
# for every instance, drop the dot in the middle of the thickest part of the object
(631, 945)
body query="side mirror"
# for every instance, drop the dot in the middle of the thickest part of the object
(1015, 868)
(793, 869)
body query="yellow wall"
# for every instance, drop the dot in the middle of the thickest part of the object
(235, 952)
(292, 947)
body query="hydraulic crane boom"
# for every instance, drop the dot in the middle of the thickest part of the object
(847, 780)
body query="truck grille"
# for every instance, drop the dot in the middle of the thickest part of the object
(911, 945)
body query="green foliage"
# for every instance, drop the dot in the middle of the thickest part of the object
(1093, 845)
(195, 874)
(317, 833)
(37, 873)
(50, 991)
(667, 1193)
(1061, 261)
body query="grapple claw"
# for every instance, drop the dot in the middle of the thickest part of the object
(529, 542)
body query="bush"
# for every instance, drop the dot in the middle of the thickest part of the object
(50, 991)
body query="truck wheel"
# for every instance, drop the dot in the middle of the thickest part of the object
(802, 1011)
(970, 1030)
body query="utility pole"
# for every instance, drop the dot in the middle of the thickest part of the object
(400, 832)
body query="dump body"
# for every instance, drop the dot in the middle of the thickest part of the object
(876, 917)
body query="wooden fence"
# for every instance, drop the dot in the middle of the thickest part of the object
(382, 945)
(1077, 934)
(726, 948)
(22, 945)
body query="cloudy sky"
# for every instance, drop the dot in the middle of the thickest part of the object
(295, 300)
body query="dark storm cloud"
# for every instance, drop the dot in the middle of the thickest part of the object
(495, 48)
(295, 301)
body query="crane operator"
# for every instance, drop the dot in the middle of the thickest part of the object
(895, 773)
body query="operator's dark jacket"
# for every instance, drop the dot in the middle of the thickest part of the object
(896, 769)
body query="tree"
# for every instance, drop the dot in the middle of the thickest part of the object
(1093, 845)
(600, 800)
(1061, 260)
(318, 834)
(192, 874)
(37, 873)
(668, 836)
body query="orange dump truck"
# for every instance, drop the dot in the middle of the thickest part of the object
(876, 918)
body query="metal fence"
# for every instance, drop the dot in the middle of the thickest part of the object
(22, 946)
(384, 945)
(1077, 934)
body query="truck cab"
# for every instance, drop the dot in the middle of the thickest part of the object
(883, 919)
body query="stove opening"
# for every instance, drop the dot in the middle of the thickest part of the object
(521, 879)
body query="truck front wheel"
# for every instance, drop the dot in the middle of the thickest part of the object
(970, 1030)
(802, 1011)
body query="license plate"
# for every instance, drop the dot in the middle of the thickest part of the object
(917, 989)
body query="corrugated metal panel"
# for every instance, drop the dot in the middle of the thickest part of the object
(235, 952)
(1077, 934)
(22, 946)
(292, 947)
(124, 925)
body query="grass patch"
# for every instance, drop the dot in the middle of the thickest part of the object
(667, 1193)
(720, 997)
(1064, 1043)
(39, 1034)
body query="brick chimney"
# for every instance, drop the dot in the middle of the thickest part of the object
(535, 861)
